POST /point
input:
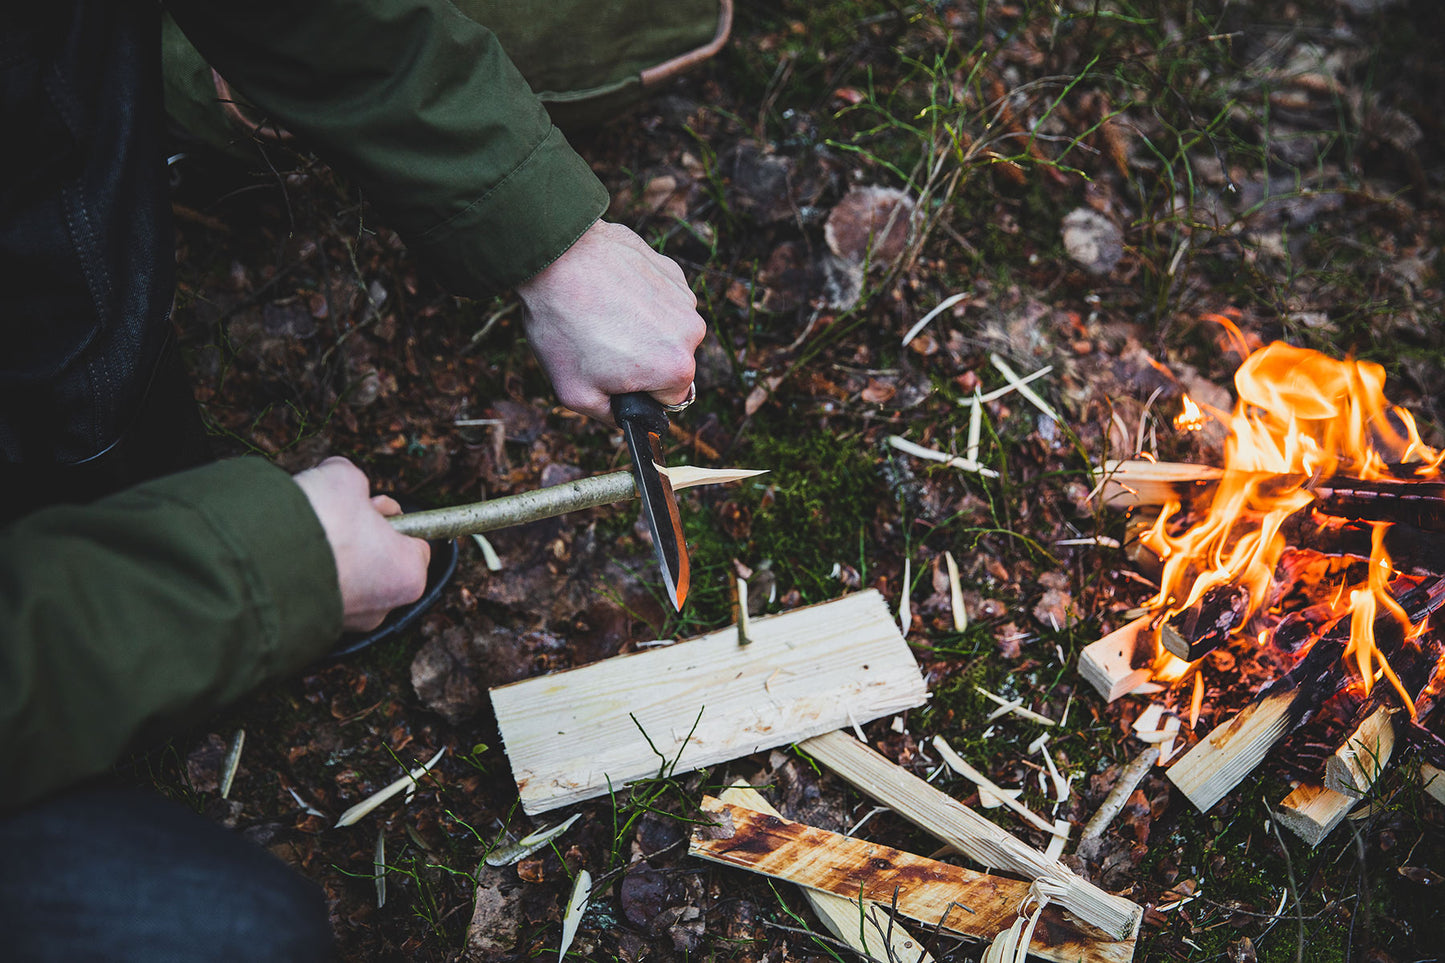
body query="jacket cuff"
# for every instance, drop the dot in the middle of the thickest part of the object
(267, 521)
(482, 249)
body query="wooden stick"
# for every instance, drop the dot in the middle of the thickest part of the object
(582, 733)
(865, 927)
(1207, 624)
(971, 834)
(934, 893)
(1119, 794)
(1312, 812)
(1121, 661)
(542, 503)
(1365, 753)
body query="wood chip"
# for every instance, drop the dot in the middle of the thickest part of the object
(1023, 387)
(958, 765)
(690, 476)
(376, 799)
(905, 615)
(955, 594)
(233, 762)
(952, 461)
(576, 906)
(942, 306)
(528, 844)
(1016, 707)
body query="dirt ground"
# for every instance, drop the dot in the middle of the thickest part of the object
(1093, 187)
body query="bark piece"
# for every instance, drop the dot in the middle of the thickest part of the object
(574, 735)
(960, 827)
(934, 893)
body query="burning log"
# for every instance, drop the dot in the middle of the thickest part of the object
(1205, 626)
(1217, 763)
(937, 894)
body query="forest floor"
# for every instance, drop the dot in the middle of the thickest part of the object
(1280, 165)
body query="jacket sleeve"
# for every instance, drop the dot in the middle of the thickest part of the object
(420, 107)
(149, 609)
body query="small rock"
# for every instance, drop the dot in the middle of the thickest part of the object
(1093, 240)
(870, 225)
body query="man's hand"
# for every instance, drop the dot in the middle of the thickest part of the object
(378, 568)
(610, 316)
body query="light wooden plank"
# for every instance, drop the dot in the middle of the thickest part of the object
(573, 735)
(1312, 812)
(951, 821)
(875, 934)
(934, 893)
(1110, 663)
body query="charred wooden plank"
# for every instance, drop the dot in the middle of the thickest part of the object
(973, 904)
(865, 927)
(1414, 502)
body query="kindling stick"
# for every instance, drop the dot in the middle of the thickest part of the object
(532, 506)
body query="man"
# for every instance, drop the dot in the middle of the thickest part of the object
(123, 617)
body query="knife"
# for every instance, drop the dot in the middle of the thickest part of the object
(643, 422)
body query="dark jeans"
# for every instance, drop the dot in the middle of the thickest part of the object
(118, 874)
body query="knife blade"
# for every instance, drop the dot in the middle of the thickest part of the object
(643, 422)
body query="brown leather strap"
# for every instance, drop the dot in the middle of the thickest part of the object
(671, 68)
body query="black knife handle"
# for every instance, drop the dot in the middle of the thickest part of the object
(641, 409)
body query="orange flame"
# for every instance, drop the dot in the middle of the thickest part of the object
(1190, 418)
(1302, 417)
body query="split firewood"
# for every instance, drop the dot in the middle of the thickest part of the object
(590, 492)
(1358, 762)
(934, 893)
(1433, 779)
(950, 821)
(1222, 759)
(588, 731)
(1312, 812)
(865, 927)
(1122, 661)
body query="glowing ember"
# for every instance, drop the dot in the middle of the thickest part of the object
(1191, 418)
(1301, 418)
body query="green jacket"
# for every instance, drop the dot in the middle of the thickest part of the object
(420, 107)
(122, 619)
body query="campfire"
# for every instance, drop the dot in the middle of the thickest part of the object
(1296, 583)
